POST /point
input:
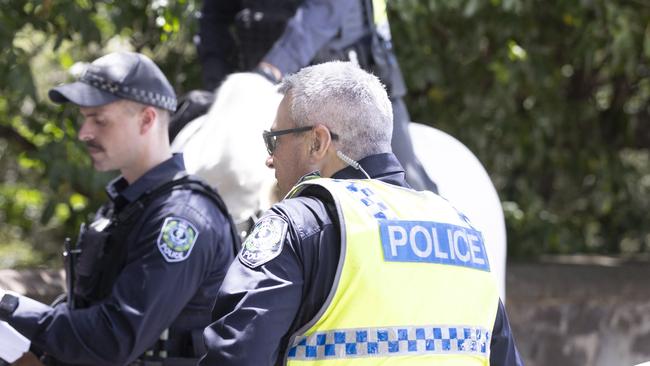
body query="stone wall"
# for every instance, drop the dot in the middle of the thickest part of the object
(594, 314)
(580, 314)
(41, 285)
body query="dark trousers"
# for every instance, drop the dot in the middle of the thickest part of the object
(416, 176)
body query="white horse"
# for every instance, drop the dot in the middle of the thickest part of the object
(225, 147)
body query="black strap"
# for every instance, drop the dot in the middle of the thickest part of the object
(185, 182)
(368, 9)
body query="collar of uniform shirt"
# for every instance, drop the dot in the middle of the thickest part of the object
(161, 173)
(377, 166)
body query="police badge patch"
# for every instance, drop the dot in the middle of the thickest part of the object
(264, 243)
(176, 239)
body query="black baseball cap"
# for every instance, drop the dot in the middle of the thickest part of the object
(118, 75)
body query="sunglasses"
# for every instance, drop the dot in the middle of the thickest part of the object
(271, 137)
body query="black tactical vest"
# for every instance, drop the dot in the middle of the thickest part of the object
(104, 251)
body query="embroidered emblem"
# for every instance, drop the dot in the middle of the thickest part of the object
(176, 239)
(264, 243)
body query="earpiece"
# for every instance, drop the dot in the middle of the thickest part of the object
(351, 162)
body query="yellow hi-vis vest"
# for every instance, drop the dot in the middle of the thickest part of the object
(413, 284)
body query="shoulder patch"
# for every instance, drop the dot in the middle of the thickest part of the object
(265, 242)
(176, 239)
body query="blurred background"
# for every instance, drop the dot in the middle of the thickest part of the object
(552, 96)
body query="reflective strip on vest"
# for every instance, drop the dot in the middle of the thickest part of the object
(413, 284)
(391, 341)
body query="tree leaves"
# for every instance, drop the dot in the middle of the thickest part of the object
(39, 154)
(554, 101)
(553, 98)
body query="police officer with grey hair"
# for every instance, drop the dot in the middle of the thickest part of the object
(354, 269)
(148, 266)
(278, 37)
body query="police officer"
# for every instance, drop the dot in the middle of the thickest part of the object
(277, 38)
(155, 255)
(356, 269)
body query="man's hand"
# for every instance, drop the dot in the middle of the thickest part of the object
(28, 359)
(8, 304)
(269, 71)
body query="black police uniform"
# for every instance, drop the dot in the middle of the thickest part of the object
(258, 309)
(158, 266)
(291, 34)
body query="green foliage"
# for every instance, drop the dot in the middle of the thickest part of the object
(47, 186)
(554, 98)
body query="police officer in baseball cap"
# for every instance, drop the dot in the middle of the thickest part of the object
(155, 254)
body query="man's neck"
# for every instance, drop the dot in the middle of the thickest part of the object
(331, 165)
(146, 163)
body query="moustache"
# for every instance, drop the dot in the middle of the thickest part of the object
(91, 144)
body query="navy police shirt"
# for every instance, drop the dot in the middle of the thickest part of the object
(258, 309)
(156, 289)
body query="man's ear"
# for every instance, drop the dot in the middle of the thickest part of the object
(320, 142)
(148, 118)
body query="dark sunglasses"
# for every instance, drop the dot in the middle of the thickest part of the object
(271, 137)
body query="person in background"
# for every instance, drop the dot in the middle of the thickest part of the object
(276, 38)
(353, 267)
(155, 254)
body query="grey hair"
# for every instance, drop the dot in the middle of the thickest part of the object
(351, 102)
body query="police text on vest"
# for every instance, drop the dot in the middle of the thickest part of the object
(433, 242)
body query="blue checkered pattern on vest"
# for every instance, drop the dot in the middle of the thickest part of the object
(372, 202)
(391, 341)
